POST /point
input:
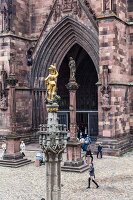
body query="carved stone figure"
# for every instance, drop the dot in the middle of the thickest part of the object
(6, 11)
(67, 5)
(57, 11)
(29, 56)
(3, 103)
(106, 4)
(105, 99)
(72, 67)
(105, 89)
(50, 82)
(3, 91)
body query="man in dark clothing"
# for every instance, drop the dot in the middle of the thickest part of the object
(99, 150)
(92, 176)
(88, 155)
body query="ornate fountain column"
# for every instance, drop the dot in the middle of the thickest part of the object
(74, 161)
(52, 139)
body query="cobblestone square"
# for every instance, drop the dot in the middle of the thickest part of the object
(114, 175)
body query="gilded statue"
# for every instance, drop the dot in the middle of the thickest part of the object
(50, 82)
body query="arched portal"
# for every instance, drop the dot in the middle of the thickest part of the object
(87, 95)
(67, 36)
(59, 41)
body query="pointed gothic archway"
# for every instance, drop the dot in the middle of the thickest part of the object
(87, 94)
(53, 49)
(59, 41)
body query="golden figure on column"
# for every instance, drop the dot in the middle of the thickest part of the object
(51, 81)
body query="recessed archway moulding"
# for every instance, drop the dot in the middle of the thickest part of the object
(59, 41)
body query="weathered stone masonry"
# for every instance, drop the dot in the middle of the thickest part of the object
(50, 29)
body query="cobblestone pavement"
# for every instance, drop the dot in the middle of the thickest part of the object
(114, 175)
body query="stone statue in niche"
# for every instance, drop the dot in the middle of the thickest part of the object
(3, 92)
(75, 8)
(3, 103)
(67, 5)
(105, 89)
(105, 99)
(107, 4)
(6, 11)
(57, 11)
(29, 56)
(72, 67)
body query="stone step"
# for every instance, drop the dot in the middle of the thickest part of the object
(15, 163)
(80, 169)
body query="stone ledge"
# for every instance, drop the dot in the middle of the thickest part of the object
(79, 169)
(115, 146)
(15, 163)
(18, 37)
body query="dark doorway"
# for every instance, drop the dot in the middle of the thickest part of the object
(87, 95)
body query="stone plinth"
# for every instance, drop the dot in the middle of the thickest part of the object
(73, 151)
(115, 146)
(74, 161)
(13, 157)
(13, 148)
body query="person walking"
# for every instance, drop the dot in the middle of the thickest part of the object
(99, 150)
(22, 148)
(3, 148)
(87, 142)
(89, 155)
(68, 135)
(92, 175)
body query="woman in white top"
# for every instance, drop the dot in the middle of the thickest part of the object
(22, 148)
(3, 148)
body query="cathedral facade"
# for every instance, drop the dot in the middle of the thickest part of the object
(98, 34)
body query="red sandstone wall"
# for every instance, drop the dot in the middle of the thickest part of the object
(21, 25)
(19, 48)
(29, 17)
(130, 19)
(4, 52)
(23, 110)
(121, 9)
(113, 40)
(96, 6)
(4, 61)
(38, 13)
(130, 10)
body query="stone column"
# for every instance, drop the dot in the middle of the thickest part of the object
(52, 140)
(13, 157)
(13, 141)
(73, 146)
(53, 175)
(72, 108)
(74, 161)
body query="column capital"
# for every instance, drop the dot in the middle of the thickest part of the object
(72, 85)
(11, 80)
